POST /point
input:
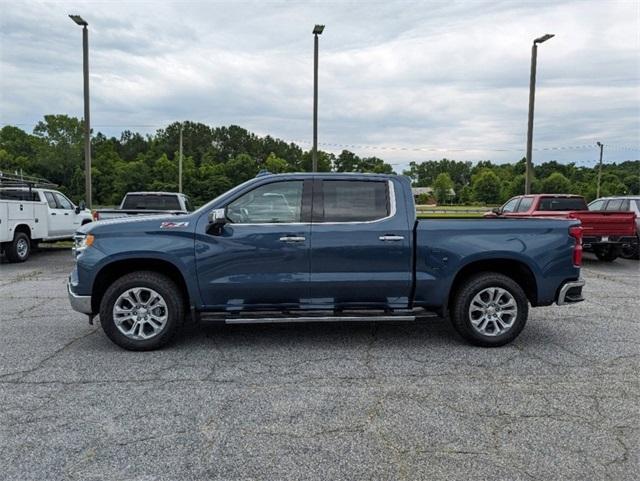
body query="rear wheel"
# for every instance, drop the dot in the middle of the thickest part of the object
(142, 311)
(630, 252)
(19, 249)
(489, 310)
(606, 253)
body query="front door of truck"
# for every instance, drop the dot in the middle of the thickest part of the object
(360, 245)
(260, 257)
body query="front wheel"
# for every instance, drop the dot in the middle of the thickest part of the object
(142, 311)
(489, 310)
(606, 253)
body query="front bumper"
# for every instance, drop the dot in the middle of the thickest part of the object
(570, 293)
(79, 303)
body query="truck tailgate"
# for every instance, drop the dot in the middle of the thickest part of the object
(598, 223)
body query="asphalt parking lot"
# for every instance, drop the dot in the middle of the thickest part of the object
(319, 401)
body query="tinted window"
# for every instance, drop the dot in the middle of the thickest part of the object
(638, 204)
(354, 201)
(617, 204)
(511, 205)
(275, 203)
(525, 204)
(18, 194)
(63, 202)
(596, 205)
(51, 200)
(151, 202)
(187, 204)
(562, 203)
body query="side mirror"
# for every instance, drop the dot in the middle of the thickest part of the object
(497, 210)
(82, 205)
(218, 217)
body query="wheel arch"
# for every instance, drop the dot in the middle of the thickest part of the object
(24, 228)
(517, 270)
(116, 269)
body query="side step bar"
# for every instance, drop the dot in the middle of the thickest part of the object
(271, 317)
(270, 320)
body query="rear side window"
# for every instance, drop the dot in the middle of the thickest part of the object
(51, 200)
(562, 204)
(151, 202)
(618, 204)
(354, 201)
(525, 204)
(18, 194)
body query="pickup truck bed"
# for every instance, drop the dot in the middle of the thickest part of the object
(300, 247)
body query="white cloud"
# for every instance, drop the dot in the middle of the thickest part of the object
(446, 76)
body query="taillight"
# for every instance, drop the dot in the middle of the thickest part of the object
(95, 215)
(576, 233)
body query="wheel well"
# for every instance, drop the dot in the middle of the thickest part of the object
(115, 270)
(22, 228)
(518, 271)
(86, 221)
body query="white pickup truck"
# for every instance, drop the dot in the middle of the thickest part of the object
(29, 215)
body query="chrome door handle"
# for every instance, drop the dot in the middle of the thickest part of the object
(391, 237)
(292, 238)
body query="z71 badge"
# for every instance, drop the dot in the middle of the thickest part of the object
(173, 225)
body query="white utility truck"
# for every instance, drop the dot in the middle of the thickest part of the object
(31, 211)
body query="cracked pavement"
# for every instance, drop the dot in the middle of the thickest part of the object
(387, 401)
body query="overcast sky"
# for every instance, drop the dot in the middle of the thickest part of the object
(401, 80)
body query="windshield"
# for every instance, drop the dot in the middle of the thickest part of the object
(562, 204)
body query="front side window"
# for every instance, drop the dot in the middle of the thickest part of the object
(511, 205)
(51, 200)
(596, 205)
(275, 203)
(63, 201)
(355, 201)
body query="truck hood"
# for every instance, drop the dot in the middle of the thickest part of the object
(139, 224)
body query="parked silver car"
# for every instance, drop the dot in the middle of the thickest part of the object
(621, 203)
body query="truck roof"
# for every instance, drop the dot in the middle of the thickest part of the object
(153, 193)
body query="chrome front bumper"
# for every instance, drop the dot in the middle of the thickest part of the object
(79, 303)
(570, 293)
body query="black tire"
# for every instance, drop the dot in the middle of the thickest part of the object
(19, 249)
(165, 287)
(461, 317)
(606, 253)
(630, 252)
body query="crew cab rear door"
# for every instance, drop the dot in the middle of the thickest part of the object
(260, 257)
(360, 245)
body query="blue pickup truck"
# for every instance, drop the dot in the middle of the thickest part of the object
(317, 248)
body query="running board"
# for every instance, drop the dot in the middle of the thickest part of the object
(271, 320)
(352, 315)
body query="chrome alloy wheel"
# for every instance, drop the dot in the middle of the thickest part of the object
(493, 311)
(140, 313)
(22, 247)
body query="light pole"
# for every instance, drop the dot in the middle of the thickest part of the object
(599, 169)
(317, 30)
(87, 127)
(532, 97)
(180, 162)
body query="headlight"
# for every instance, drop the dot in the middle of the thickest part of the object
(81, 242)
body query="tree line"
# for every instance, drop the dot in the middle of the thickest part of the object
(217, 158)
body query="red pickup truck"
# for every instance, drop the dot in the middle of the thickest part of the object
(606, 233)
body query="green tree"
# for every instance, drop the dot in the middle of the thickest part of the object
(486, 187)
(442, 187)
(556, 183)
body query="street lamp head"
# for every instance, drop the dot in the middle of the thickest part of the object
(79, 20)
(544, 38)
(598, 144)
(318, 29)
